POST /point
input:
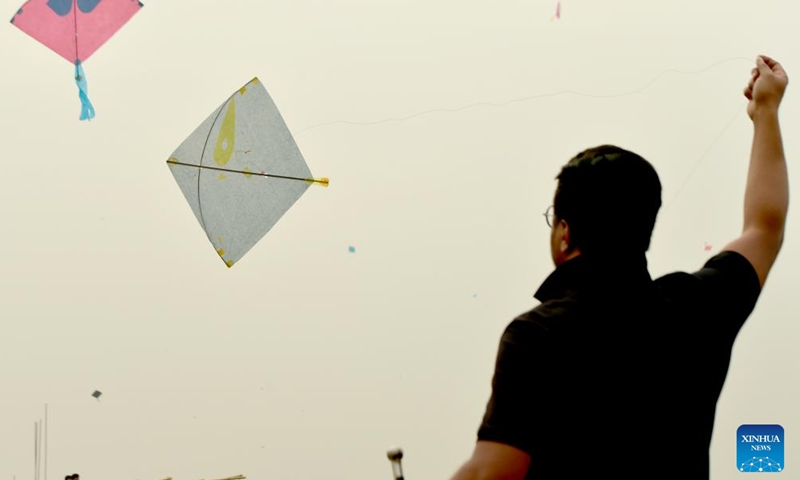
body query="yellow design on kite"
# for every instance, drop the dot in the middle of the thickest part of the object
(227, 132)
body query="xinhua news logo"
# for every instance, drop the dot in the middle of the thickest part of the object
(759, 448)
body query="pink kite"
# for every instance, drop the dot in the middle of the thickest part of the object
(75, 29)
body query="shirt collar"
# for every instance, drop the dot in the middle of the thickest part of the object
(598, 273)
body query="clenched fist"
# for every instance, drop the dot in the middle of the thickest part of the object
(767, 84)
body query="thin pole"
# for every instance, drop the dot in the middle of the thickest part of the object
(39, 469)
(45, 441)
(39, 460)
(40, 449)
(36, 450)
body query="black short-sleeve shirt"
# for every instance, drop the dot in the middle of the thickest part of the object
(617, 373)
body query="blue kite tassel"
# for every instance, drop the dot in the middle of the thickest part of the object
(87, 109)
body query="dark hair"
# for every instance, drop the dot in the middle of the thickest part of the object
(610, 198)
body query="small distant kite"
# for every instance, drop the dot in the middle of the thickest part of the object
(241, 171)
(97, 394)
(75, 29)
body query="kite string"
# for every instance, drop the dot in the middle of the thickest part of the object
(704, 155)
(523, 99)
(527, 98)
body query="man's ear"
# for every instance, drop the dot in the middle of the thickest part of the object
(567, 239)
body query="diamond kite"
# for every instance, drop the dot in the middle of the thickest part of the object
(241, 171)
(75, 29)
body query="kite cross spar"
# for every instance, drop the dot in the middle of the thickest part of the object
(322, 181)
(246, 136)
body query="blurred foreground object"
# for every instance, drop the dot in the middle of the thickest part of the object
(395, 455)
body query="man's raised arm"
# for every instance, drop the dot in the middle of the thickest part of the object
(766, 199)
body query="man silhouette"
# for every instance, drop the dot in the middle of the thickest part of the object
(615, 372)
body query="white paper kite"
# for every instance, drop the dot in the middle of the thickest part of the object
(241, 171)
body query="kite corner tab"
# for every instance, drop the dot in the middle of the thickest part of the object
(324, 181)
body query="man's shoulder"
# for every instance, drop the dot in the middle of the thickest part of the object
(676, 281)
(548, 314)
(730, 266)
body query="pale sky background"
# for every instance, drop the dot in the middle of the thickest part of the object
(305, 360)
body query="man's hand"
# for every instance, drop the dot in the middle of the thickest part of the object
(766, 87)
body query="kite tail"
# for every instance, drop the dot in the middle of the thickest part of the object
(87, 109)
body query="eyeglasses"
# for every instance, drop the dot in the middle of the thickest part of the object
(548, 216)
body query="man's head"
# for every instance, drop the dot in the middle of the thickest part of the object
(606, 203)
